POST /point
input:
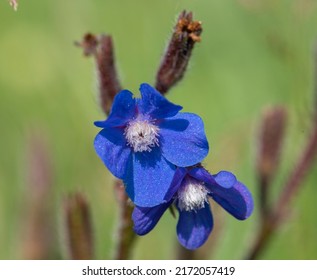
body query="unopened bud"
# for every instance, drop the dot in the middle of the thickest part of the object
(101, 47)
(176, 57)
(79, 234)
(89, 44)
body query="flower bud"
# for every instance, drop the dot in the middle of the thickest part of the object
(79, 234)
(175, 60)
(102, 49)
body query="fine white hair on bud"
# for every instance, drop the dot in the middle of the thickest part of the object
(192, 195)
(141, 135)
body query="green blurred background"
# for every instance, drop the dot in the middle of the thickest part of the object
(253, 54)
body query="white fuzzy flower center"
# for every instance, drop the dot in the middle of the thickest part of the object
(192, 195)
(142, 135)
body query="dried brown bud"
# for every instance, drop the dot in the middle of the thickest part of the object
(101, 47)
(78, 227)
(175, 60)
(89, 44)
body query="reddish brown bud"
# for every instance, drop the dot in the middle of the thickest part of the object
(175, 60)
(89, 44)
(102, 49)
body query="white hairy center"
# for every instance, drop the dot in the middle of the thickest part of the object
(192, 196)
(142, 135)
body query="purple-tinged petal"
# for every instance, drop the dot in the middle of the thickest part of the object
(183, 139)
(202, 175)
(194, 227)
(149, 178)
(155, 104)
(111, 147)
(123, 110)
(225, 179)
(237, 200)
(227, 191)
(146, 218)
(178, 178)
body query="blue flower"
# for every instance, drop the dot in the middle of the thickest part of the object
(144, 138)
(189, 191)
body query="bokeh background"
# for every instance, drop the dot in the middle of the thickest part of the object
(253, 54)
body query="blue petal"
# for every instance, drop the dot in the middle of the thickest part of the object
(149, 178)
(194, 227)
(178, 178)
(224, 179)
(155, 104)
(202, 175)
(123, 110)
(111, 147)
(236, 200)
(227, 191)
(146, 218)
(183, 139)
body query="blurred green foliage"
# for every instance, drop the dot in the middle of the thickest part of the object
(252, 54)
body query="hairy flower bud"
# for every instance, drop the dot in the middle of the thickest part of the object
(101, 47)
(78, 227)
(175, 60)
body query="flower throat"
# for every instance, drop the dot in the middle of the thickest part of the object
(141, 135)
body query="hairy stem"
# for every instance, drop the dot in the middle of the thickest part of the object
(101, 48)
(125, 234)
